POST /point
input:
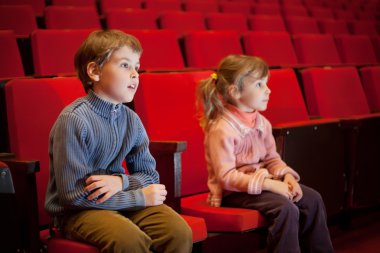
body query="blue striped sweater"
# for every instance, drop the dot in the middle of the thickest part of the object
(93, 137)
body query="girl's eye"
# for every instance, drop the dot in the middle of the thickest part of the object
(259, 85)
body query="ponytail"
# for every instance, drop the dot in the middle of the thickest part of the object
(208, 101)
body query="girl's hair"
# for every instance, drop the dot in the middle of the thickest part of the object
(99, 47)
(212, 93)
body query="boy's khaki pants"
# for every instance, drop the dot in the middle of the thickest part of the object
(157, 229)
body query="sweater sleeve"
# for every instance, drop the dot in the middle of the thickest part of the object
(141, 164)
(223, 161)
(71, 168)
(272, 160)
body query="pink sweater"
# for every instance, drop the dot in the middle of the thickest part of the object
(239, 157)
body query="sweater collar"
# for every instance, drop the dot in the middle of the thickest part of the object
(238, 124)
(102, 107)
(247, 118)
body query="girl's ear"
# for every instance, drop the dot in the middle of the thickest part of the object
(93, 71)
(233, 91)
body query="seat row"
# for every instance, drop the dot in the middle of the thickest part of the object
(335, 153)
(21, 19)
(362, 9)
(52, 51)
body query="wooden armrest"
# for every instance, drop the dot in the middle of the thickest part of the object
(169, 166)
(18, 167)
(7, 156)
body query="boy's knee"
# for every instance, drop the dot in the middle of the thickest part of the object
(129, 242)
(179, 237)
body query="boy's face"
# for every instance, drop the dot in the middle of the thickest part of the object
(119, 78)
(255, 94)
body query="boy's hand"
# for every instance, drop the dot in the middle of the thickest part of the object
(155, 194)
(277, 187)
(105, 185)
(294, 187)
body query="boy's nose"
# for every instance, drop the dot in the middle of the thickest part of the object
(134, 74)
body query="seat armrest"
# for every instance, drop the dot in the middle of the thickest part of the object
(168, 163)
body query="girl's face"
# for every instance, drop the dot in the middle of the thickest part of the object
(254, 95)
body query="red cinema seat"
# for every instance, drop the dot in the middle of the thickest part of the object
(332, 26)
(346, 15)
(37, 5)
(275, 48)
(182, 22)
(200, 6)
(266, 23)
(161, 49)
(163, 5)
(235, 7)
(68, 17)
(302, 25)
(371, 84)
(267, 9)
(363, 27)
(301, 140)
(11, 65)
(355, 49)
(19, 18)
(376, 46)
(316, 49)
(107, 5)
(179, 122)
(227, 21)
(321, 13)
(205, 49)
(295, 10)
(30, 142)
(54, 50)
(81, 3)
(131, 19)
(338, 93)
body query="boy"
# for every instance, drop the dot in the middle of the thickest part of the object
(89, 194)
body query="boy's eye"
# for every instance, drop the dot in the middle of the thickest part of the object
(124, 65)
(137, 68)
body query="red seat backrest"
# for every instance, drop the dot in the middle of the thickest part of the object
(160, 49)
(33, 105)
(334, 93)
(274, 47)
(333, 26)
(267, 9)
(11, 65)
(365, 27)
(163, 5)
(69, 17)
(321, 13)
(90, 3)
(286, 103)
(316, 49)
(355, 49)
(54, 50)
(200, 6)
(19, 18)
(371, 84)
(37, 5)
(173, 116)
(266, 23)
(182, 22)
(107, 5)
(302, 25)
(227, 21)
(131, 19)
(205, 49)
(295, 10)
(235, 7)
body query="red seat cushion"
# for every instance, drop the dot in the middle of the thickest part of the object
(221, 219)
(198, 226)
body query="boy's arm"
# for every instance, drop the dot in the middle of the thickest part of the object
(140, 163)
(71, 168)
(272, 160)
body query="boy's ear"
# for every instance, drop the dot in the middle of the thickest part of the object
(93, 71)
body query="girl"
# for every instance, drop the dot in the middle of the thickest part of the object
(244, 168)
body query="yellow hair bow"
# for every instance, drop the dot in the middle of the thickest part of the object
(214, 76)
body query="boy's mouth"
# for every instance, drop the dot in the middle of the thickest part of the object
(132, 86)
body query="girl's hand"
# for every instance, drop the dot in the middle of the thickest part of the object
(105, 185)
(277, 187)
(294, 187)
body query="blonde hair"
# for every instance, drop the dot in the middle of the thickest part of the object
(212, 93)
(98, 48)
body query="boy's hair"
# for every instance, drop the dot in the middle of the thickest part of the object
(213, 92)
(98, 48)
